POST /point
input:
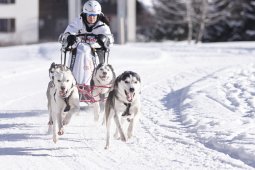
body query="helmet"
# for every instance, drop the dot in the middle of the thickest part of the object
(92, 7)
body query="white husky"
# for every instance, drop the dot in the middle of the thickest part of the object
(123, 101)
(101, 84)
(63, 99)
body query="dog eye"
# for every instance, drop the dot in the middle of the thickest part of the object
(126, 82)
(135, 82)
(59, 81)
(67, 80)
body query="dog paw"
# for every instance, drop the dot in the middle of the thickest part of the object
(61, 132)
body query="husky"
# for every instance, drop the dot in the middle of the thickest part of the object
(101, 84)
(63, 99)
(124, 102)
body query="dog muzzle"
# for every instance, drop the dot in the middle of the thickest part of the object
(103, 77)
(63, 93)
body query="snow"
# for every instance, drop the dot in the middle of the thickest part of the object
(197, 105)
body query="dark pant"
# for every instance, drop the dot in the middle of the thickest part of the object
(101, 55)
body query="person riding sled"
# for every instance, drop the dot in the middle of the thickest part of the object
(97, 39)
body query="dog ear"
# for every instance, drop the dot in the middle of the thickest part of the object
(52, 66)
(137, 76)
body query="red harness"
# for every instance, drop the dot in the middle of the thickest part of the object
(87, 90)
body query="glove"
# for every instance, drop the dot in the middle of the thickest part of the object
(103, 41)
(71, 39)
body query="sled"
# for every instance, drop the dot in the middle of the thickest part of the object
(85, 91)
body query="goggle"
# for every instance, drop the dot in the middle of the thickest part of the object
(91, 15)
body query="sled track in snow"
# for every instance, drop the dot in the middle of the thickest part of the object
(165, 133)
(177, 107)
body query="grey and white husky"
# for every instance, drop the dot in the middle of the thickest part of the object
(63, 98)
(123, 105)
(101, 84)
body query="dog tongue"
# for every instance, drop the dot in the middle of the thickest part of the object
(129, 96)
(62, 93)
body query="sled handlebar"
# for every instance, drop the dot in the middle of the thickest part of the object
(85, 35)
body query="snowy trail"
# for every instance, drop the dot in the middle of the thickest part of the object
(154, 119)
(180, 127)
(236, 101)
(165, 124)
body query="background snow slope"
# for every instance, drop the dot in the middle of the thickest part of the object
(198, 110)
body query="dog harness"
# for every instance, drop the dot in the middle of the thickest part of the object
(66, 99)
(126, 112)
(89, 93)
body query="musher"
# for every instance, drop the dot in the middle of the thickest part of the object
(90, 21)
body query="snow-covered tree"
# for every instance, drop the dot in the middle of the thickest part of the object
(203, 20)
(237, 24)
(186, 19)
(249, 13)
(170, 19)
(206, 13)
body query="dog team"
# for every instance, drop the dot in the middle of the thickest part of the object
(122, 99)
(88, 39)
